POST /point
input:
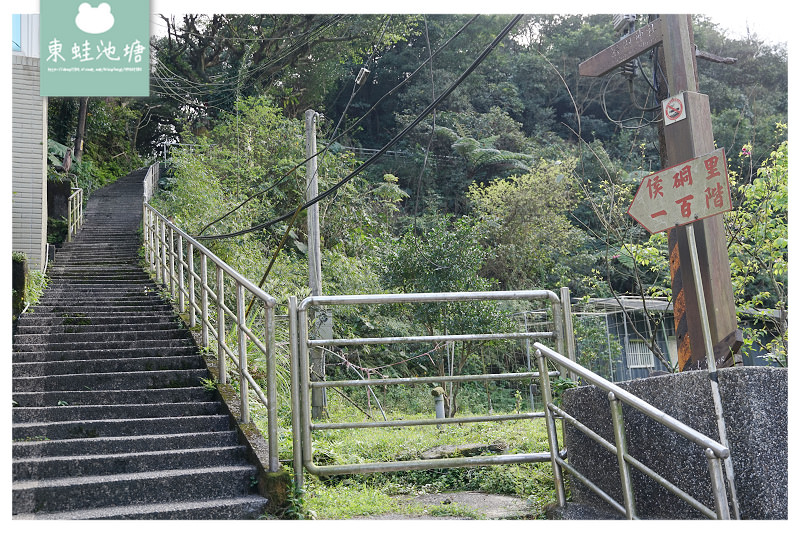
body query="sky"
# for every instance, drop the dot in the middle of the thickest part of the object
(766, 18)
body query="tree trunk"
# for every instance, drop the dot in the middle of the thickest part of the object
(80, 134)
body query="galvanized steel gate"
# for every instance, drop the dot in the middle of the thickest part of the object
(303, 384)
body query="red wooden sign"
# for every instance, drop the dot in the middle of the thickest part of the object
(682, 194)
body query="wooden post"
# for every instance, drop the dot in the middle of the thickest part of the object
(318, 399)
(682, 141)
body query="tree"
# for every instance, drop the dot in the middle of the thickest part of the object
(758, 233)
(523, 219)
(446, 257)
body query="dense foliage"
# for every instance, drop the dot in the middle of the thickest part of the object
(520, 179)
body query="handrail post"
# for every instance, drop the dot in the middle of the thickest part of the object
(172, 262)
(622, 448)
(552, 436)
(272, 389)
(204, 298)
(294, 376)
(157, 250)
(568, 329)
(558, 329)
(164, 252)
(70, 206)
(223, 376)
(242, 343)
(181, 272)
(192, 299)
(718, 485)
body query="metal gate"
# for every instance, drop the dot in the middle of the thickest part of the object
(303, 384)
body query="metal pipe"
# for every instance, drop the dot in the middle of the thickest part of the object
(172, 262)
(304, 390)
(223, 374)
(427, 464)
(242, 344)
(568, 328)
(204, 298)
(357, 299)
(294, 375)
(428, 338)
(428, 379)
(711, 362)
(637, 403)
(425, 421)
(718, 485)
(192, 303)
(205, 252)
(634, 462)
(181, 272)
(552, 436)
(597, 490)
(618, 422)
(272, 389)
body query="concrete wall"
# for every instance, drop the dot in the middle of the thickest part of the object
(28, 162)
(755, 402)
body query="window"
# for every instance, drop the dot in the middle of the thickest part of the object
(639, 355)
(16, 33)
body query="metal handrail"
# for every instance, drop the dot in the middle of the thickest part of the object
(74, 213)
(170, 254)
(714, 451)
(302, 383)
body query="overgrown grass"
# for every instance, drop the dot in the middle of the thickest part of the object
(340, 497)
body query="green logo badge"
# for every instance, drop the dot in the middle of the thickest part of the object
(99, 48)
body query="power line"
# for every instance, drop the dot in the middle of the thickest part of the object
(350, 128)
(428, 110)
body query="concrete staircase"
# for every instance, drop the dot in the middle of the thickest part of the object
(110, 417)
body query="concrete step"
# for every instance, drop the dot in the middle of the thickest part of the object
(121, 335)
(244, 507)
(83, 429)
(102, 317)
(112, 397)
(156, 379)
(108, 345)
(124, 444)
(100, 366)
(72, 413)
(88, 309)
(86, 327)
(124, 463)
(101, 353)
(66, 494)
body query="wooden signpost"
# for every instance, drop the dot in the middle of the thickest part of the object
(687, 134)
(686, 200)
(682, 194)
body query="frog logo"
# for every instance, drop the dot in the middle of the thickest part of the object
(94, 20)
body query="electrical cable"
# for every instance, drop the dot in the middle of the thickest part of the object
(427, 111)
(282, 178)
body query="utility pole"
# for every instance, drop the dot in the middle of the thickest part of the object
(682, 141)
(705, 314)
(318, 399)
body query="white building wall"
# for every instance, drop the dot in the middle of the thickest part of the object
(29, 151)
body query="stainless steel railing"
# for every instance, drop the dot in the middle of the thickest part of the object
(714, 451)
(74, 213)
(303, 382)
(182, 264)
